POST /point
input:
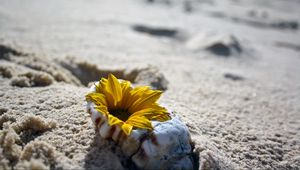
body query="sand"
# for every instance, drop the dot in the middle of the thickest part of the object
(229, 69)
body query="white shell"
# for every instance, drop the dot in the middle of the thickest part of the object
(166, 147)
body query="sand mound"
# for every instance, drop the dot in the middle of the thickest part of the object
(221, 45)
(87, 72)
(28, 70)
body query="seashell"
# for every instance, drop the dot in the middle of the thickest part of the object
(167, 146)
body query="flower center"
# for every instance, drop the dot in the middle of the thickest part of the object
(120, 114)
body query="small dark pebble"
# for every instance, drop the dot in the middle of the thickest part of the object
(233, 77)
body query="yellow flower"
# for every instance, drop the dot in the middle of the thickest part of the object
(127, 107)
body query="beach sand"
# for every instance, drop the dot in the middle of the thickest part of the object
(229, 69)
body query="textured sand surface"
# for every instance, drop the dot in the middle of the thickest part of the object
(230, 70)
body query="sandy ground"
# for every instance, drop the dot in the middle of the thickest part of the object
(230, 69)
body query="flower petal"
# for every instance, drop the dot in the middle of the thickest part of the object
(126, 88)
(135, 94)
(140, 122)
(148, 112)
(97, 98)
(145, 100)
(114, 88)
(112, 120)
(102, 109)
(127, 128)
(161, 117)
(103, 85)
(159, 114)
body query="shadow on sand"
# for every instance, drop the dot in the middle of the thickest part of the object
(105, 154)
